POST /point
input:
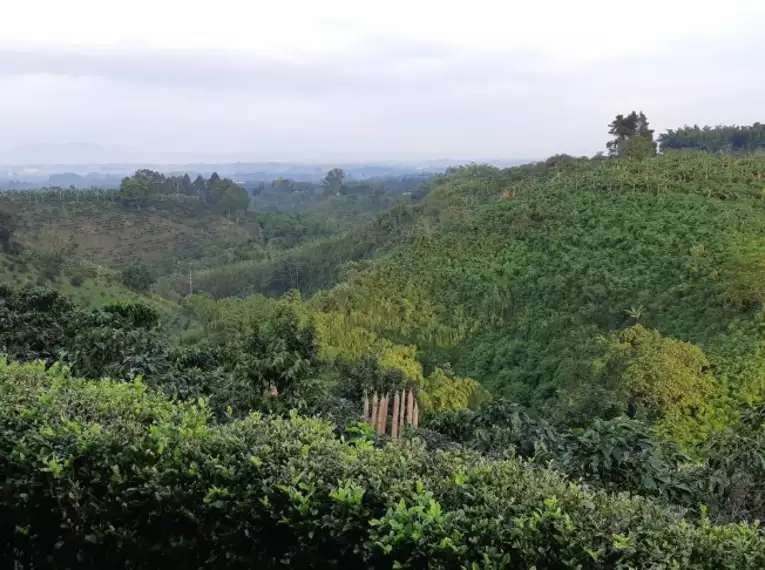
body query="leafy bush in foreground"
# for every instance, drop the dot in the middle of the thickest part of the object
(617, 455)
(97, 473)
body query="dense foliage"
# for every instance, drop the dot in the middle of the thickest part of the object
(267, 363)
(137, 276)
(223, 193)
(85, 463)
(632, 137)
(723, 138)
(618, 454)
(516, 277)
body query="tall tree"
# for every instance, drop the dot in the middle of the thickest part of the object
(133, 189)
(200, 187)
(186, 186)
(155, 182)
(234, 199)
(333, 181)
(214, 188)
(626, 128)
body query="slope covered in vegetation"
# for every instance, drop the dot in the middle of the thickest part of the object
(523, 277)
(97, 226)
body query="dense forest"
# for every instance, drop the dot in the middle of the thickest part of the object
(723, 138)
(187, 366)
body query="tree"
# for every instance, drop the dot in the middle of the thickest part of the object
(35, 323)
(234, 199)
(133, 189)
(8, 225)
(283, 183)
(626, 128)
(138, 277)
(155, 182)
(277, 356)
(333, 181)
(200, 187)
(666, 380)
(214, 188)
(186, 186)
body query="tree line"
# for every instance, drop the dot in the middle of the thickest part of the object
(633, 138)
(222, 193)
(722, 138)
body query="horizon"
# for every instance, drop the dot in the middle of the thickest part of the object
(30, 157)
(170, 161)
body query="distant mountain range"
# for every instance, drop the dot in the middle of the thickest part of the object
(87, 164)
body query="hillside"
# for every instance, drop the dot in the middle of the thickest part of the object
(518, 274)
(100, 229)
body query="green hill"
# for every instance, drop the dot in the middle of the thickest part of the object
(97, 227)
(515, 276)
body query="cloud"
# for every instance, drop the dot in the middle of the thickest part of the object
(383, 65)
(381, 97)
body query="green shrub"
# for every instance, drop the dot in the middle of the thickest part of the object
(34, 323)
(732, 480)
(617, 455)
(100, 474)
(138, 277)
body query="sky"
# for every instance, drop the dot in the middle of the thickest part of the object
(300, 80)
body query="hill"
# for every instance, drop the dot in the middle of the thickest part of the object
(97, 227)
(522, 277)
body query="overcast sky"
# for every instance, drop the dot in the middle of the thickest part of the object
(354, 80)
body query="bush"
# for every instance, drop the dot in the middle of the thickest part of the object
(35, 323)
(138, 277)
(732, 481)
(99, 474)
(615, 455)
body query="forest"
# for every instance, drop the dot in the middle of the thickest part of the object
(722, 138)
(186, 366)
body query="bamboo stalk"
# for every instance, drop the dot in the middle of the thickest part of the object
(416, 423)
(366, 408)
(382, 418)
(378, 417)
(410, 408)
(402, 413)
(373, 418)
(396, 412)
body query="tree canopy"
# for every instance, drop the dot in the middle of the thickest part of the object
(722, 138)
(632, 136)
